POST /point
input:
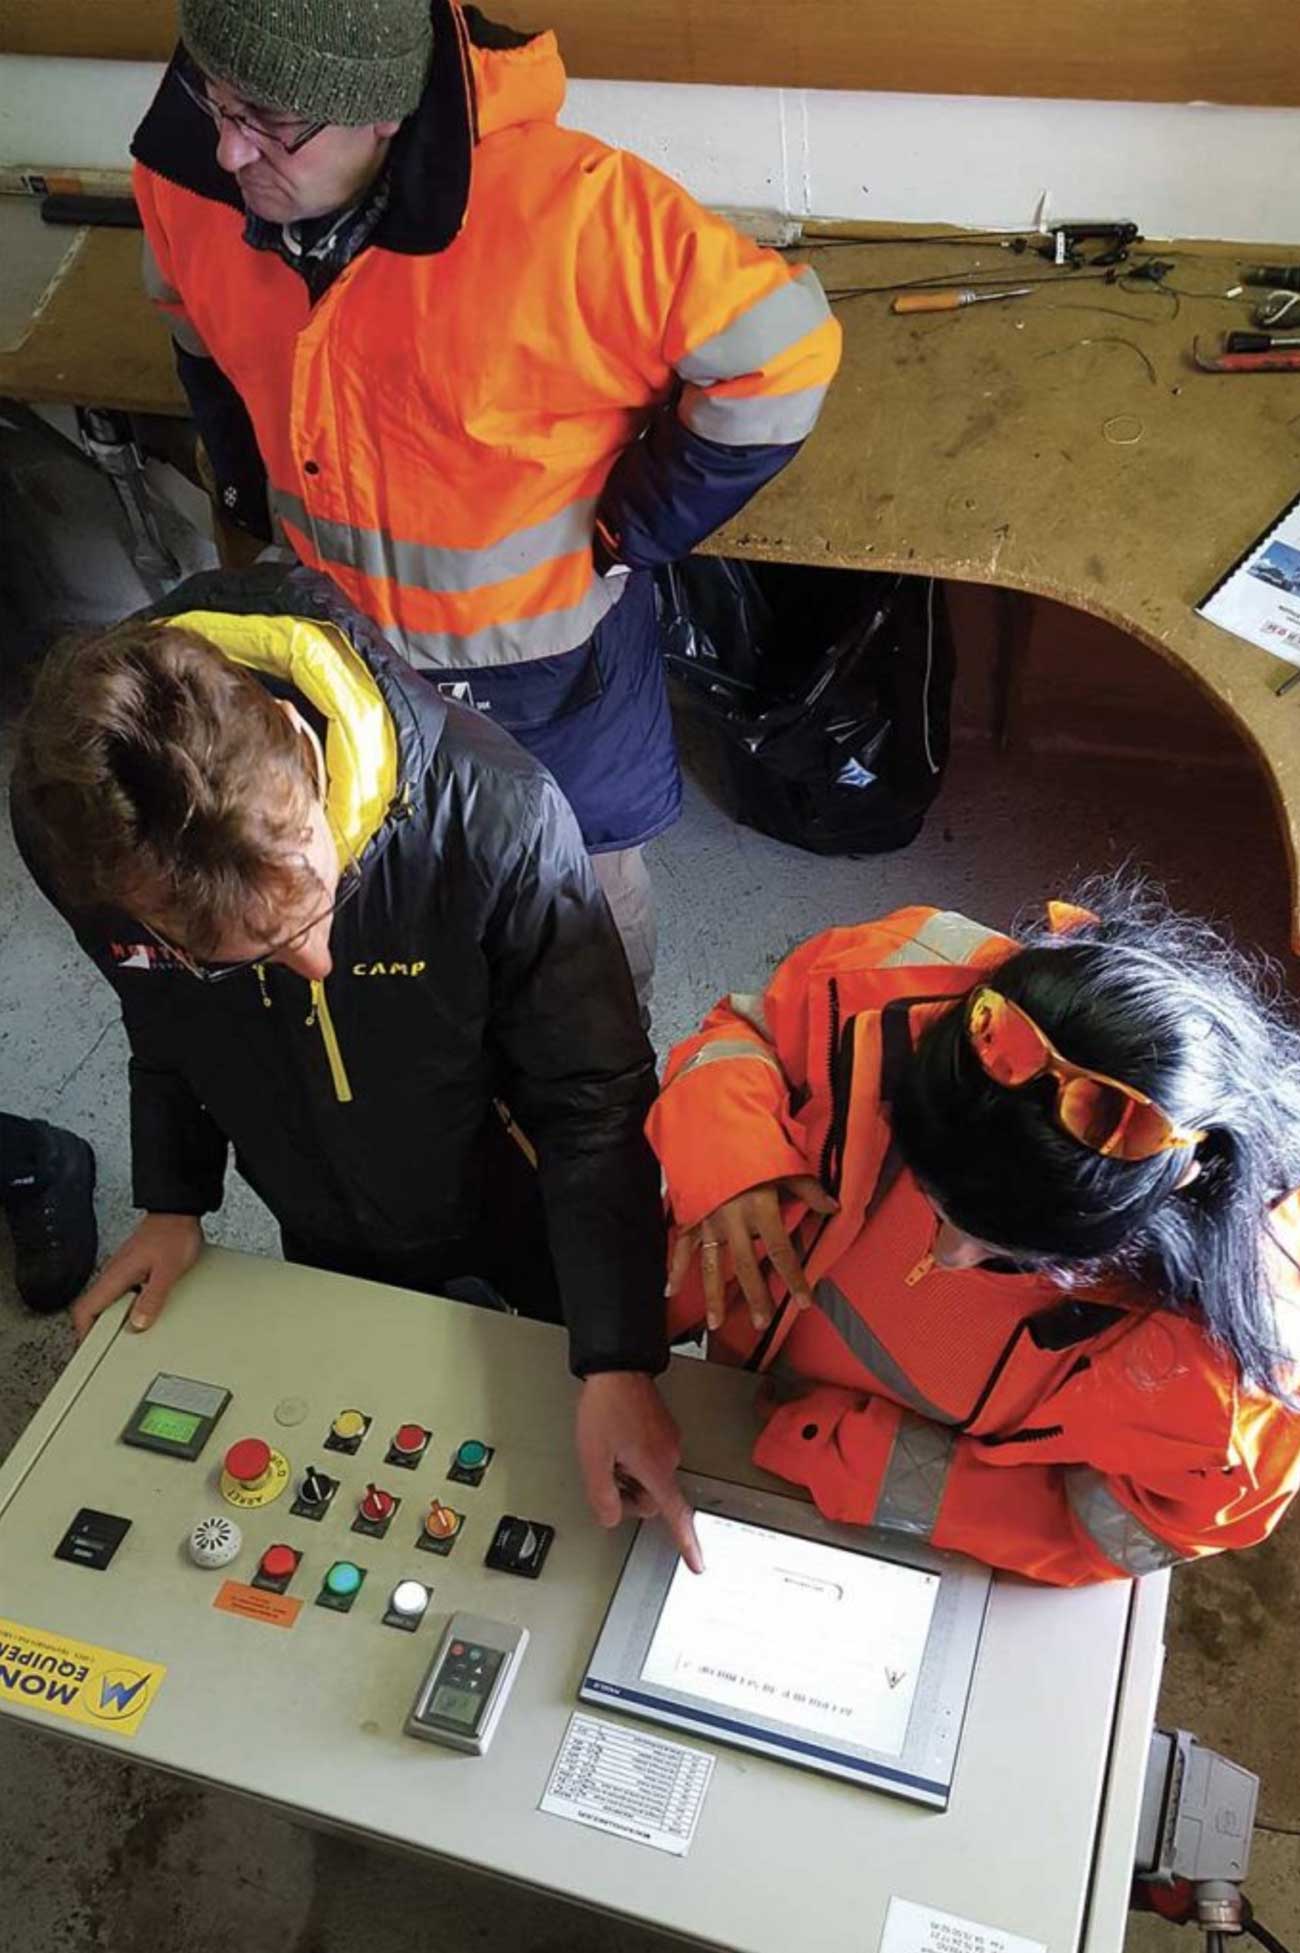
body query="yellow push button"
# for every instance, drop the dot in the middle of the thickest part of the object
(348, 1424)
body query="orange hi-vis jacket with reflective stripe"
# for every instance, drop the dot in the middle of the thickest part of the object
(439, 426)
(1070, 1437)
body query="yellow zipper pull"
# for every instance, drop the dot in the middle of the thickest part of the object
(923, 1268)
(261, 984)
(320, 1014)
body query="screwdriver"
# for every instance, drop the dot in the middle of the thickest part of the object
(950, 301)
(1260, 342)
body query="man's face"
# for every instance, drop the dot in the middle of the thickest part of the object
(300, 940)
(328, 173)
(300, 937)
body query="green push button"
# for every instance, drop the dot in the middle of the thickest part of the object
(471, 1455)
(343, 1580)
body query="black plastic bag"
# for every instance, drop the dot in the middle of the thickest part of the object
(825, 694)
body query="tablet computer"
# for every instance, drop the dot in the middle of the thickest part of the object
(837, 1648)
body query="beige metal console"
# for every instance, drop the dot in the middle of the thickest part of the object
(308, 1716)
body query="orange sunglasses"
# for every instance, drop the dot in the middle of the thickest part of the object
(1104, 1115)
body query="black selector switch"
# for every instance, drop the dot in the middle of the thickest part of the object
(315, 1491)
(519, 1546)
(92, 1538)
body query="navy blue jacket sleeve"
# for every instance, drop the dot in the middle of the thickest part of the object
(672, 488)
(229, 441)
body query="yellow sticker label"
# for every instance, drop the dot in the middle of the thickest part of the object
(74, 1679)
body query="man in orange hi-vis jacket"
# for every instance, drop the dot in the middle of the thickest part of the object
(491, 371)
(1013, 1224)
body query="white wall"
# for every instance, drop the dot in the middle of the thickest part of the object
(1179, 171)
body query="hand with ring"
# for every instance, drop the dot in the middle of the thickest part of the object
(751, 1227)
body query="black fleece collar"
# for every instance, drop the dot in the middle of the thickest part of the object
(429, 162)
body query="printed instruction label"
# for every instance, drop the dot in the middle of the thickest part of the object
(75, 1679)
(257, 1604)
(911, 1928)
(632, 1785)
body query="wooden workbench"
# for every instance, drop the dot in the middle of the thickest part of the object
(1062, 445)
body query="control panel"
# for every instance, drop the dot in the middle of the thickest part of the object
(328, 1544)
(176, 1416)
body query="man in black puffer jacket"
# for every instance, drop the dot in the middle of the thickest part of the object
(350, 925)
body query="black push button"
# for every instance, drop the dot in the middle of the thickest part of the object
(519, 1546)
(92, 1538)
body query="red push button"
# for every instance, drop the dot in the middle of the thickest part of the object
(278, 1562)
(410, 1438)
(377, 1505)
(249, 1461)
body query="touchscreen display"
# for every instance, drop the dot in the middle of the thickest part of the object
(796, 1632)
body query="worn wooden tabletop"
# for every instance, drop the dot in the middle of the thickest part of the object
(1062, 444)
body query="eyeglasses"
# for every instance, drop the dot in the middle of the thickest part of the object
(1106, 1116)
(196, 88)
(348, 883)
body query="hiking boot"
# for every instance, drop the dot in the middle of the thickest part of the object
(52, 1220)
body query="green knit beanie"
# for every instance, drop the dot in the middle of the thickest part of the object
(348, 61)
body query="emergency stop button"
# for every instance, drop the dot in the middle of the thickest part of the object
(253, 1473)
(249, 1462)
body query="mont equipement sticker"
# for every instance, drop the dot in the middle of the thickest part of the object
(76, 1680)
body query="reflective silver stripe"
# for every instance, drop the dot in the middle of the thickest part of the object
(431, 566)
(916, 1477)
(728, 1048)
(945, 938)
(1114, 1531)
(764, 419)
(162, 292)
(870, 1351)
(780, 319)
(546, 636)
(749, 1005)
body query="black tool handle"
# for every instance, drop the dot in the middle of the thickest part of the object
(1286, 277)
(119, 213)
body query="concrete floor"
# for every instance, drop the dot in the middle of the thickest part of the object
(101, 1857)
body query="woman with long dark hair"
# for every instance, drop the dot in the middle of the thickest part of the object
(1015, 1222)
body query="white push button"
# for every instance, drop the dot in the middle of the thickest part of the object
(409, 1599)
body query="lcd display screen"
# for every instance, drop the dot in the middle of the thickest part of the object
(173, 1426)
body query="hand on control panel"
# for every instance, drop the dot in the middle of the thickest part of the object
(629, 1448)
(154, 1256)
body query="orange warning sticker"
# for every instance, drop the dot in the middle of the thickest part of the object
(255, 1604)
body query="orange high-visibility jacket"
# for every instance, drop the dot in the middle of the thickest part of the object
(1073, 1437)
(437, 429)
